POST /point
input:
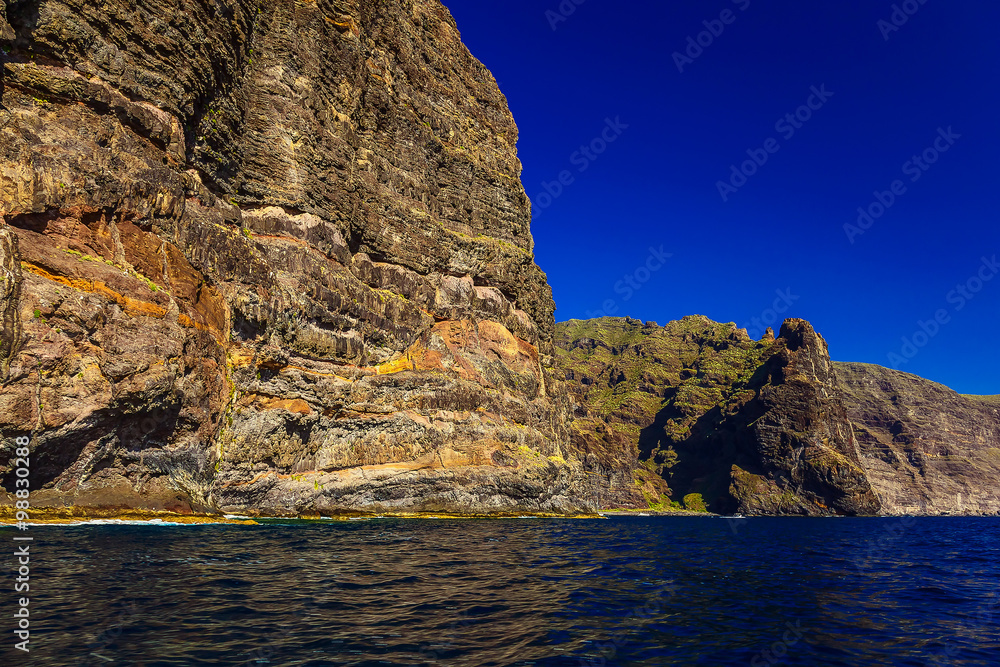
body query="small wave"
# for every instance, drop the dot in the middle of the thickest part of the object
(116, 522)
(547, 593)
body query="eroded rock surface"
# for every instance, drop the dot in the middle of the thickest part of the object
(270, 257)
(771, 426)
(927, 449)
(729, 423)
(275, 258)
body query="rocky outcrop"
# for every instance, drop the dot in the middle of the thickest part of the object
(771, 426)
(6, 32)
(804, 456)
(926, 449)
(270, 257)
(741, 425)
(275, 258)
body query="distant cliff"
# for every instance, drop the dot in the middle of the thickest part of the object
(926, 449)
(772, 426)
(270, 257)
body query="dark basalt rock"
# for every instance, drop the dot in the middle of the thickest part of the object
(799, 454)
(743, 425)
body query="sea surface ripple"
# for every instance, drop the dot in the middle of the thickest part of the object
(629, 591)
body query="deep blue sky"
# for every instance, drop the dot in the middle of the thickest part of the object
(656, 184)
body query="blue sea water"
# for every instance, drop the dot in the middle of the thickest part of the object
(620, 591)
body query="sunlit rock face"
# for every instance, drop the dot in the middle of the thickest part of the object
(728, 423)
(270, 257)
(275, 258)
(927, 449)
(771, 426)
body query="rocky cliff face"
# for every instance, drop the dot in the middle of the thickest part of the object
(276, 258)
(727, 422)
(805, 457)
(270, 256)
(926, 449)
(771, 426)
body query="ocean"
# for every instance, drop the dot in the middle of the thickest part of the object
(629, 590)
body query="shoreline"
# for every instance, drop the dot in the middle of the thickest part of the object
(71, 516)
(641, 512)
(77, 516)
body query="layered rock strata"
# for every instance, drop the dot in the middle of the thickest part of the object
(926, 449)
(270, 257)
(275, 258)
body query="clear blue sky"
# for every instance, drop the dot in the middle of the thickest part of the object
(733, 248)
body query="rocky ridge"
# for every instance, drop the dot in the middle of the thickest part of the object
(926, 448)
(773, 426)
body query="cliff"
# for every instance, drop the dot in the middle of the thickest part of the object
(270, 257)
(771, 426)
(276, 258)
(927, 449)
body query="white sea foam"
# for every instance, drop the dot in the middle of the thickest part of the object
(113, 522)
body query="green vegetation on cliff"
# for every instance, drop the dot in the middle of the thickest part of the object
(727, 422)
